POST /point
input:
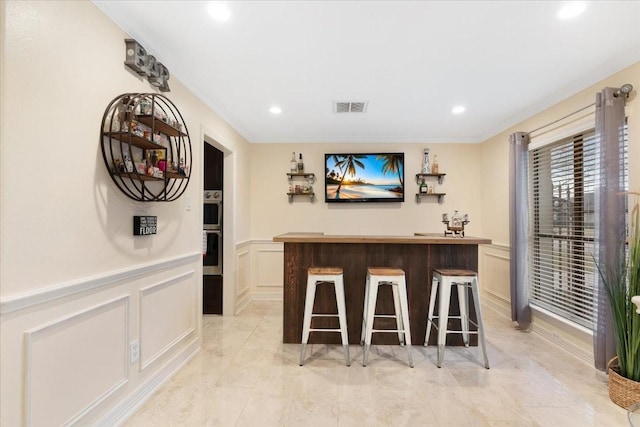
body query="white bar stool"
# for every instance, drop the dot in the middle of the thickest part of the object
(316, 276)
(376, 277)
(443, 280)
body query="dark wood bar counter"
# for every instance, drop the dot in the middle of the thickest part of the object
(417, 255)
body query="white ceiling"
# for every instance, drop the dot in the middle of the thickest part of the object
(411, 61)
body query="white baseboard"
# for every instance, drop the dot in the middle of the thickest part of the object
(496, 304)
(267, 296)
(559, 341)
(242, 302)
(129, 405)
(572, 338)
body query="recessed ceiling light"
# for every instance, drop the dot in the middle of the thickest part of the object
(275, 110)
(219, 11)
(572, 9)
(458, 109)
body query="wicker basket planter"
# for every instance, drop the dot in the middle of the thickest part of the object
(622, 391)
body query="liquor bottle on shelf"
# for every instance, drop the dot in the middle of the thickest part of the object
(435, 167)
(293, 164)
(423, 187)
(300, 164)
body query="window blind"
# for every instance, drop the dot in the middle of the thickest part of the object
(562, 180)
(562, 185)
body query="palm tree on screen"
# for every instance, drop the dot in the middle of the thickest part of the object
(349, 162)
(337, 161)
(392, 164)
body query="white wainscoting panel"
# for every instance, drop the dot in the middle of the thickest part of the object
(270, 267)
(74, 363)
(495, 267)
(167, 316)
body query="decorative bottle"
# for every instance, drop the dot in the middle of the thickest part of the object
(300, 164)
(293, 164)
(435, 168)
(456, 220)
(426, 167)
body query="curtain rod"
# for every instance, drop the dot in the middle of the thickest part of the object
(561, 118)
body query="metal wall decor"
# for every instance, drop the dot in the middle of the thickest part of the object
(146, 147)
(138, 60)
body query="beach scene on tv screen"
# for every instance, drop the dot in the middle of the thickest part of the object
(364, 176)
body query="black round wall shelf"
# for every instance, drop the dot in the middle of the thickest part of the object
(146, 147)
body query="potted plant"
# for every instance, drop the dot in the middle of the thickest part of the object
(621, 283)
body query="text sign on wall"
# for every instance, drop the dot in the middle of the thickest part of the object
(145, 225)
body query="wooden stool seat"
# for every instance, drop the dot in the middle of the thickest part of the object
(454, 272)
(317, 271)
(383, 271)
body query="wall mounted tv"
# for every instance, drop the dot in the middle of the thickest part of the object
(364, 177)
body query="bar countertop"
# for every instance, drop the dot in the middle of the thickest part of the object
(416, 239)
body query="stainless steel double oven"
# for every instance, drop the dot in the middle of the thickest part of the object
(212, 233)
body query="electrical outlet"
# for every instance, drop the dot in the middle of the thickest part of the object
(135, 351)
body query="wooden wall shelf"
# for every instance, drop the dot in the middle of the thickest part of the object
(440, 176)
(422, 176)
(308, 177)
(440, 196)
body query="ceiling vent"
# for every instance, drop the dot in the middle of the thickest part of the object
(350, 107)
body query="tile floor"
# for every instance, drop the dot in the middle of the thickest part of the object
(244, 376)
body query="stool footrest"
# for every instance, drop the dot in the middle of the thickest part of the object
(325, 330)
(471, 322)
(324, 315)
(461, 332)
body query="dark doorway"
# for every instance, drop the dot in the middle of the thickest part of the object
(212, 281)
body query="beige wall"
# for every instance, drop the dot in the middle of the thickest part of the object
(272, 213)
(76, 288)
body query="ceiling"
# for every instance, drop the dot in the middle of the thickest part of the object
(410, 61)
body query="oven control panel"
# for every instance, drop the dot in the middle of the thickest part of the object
(212, 196)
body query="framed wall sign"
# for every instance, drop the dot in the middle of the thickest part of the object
(145, 225)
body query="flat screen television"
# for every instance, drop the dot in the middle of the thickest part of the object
(364, 177)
